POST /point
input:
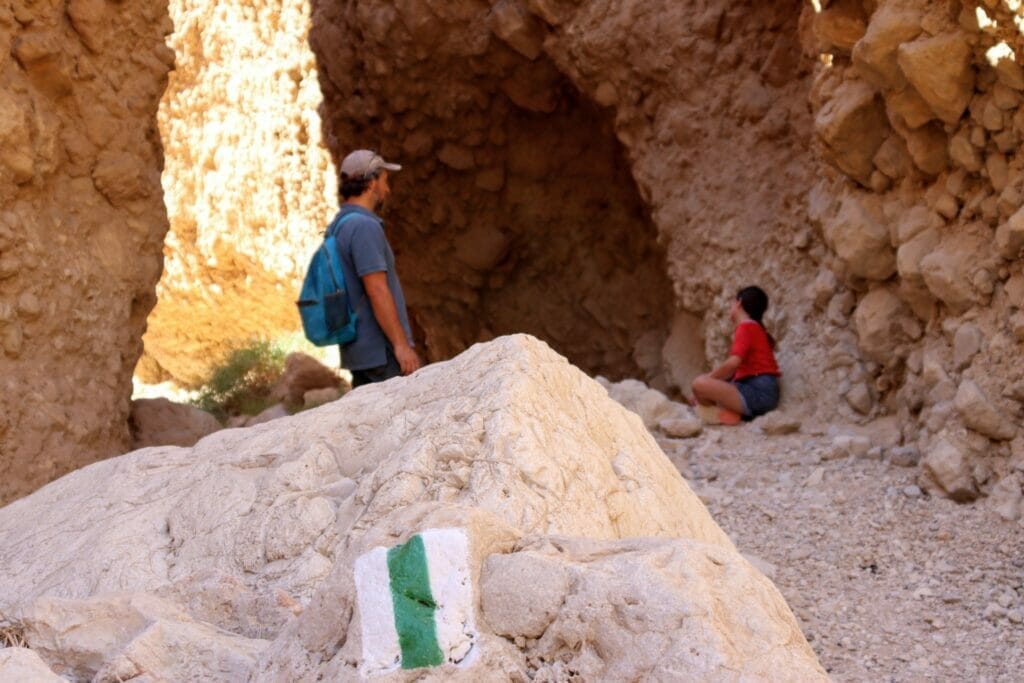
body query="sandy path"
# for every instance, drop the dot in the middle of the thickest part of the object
(888, 584)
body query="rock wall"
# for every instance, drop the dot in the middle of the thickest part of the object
(918, 114)
(589, 172)
(81, 226)
(238, 559)
(248, 185)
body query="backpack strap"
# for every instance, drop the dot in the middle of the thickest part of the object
(332, 254)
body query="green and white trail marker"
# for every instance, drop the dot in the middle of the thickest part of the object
(416, 603)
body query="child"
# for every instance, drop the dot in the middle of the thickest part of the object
(747, 383)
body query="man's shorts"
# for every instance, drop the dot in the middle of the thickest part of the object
(378, 374)
(759, 394)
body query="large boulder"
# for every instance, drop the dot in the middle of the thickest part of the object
(939, 67)
(161, 422)
(981, 415)
(874, 55)
(884, 325)
(959, 270)
(860, 240)
(852, 126)
(303, 373)
(252, 527)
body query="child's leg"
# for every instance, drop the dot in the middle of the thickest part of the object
(710, 391)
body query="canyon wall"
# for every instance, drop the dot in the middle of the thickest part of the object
(605, 176)
(82, 222)
(248, 185)
(918, 114)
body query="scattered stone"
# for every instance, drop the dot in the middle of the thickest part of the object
(650, 404)
(939, 67)
(861, 241)
(904, 456)
(884, 323)
(681, 427)
(855, 445)
(945, 467)
(1010, 236)
(966, 345)
(874, 55)
(912, 491)
(816, 477)
(318, 397)
(1005, 497)
(303, 373)
(160, 422)
(778, 422)
(980, 415)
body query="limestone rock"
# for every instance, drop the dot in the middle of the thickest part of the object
(945, 467)
(160, 422)
(939, 67)
(884, 325)
(839, 28)
(508, 444)
(779, 422)
(1010, 236)
(861, 241)
(25, 666)
(680, 577)
(119, 637)
(1006, 497)
(302, 373)
(852, 126)
(650, 404)
(318, 397)
(681, 427)
(966, 345)
(980, 415)
(874, 55)
(954, 270)
(82, 221)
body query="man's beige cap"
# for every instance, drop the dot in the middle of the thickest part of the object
(365, 162)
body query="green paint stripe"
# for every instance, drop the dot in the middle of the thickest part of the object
(414, 605)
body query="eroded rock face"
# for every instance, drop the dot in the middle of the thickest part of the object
(945, 186)
(249, 187)
(581, 173)
(257, 532)
(82, 222)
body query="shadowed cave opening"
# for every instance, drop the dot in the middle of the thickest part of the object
(546, 233)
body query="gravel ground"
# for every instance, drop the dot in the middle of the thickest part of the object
(889, 584)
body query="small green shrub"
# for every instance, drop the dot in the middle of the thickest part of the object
(242, 384)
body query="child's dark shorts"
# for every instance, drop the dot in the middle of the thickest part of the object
(759, 394)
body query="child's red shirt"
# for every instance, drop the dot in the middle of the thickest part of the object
(756, 356)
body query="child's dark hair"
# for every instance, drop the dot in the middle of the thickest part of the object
(755, 302)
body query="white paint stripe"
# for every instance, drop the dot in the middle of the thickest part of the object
(381, 652)
(451, 586)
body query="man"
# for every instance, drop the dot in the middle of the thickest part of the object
(383, 347)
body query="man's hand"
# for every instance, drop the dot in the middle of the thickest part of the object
(407, 359)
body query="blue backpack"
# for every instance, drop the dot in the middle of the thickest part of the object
(324, 306)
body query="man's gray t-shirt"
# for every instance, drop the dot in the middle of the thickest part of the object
(364, 249)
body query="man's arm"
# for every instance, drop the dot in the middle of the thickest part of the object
(386, 313)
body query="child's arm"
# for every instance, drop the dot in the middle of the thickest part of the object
(727, 369)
